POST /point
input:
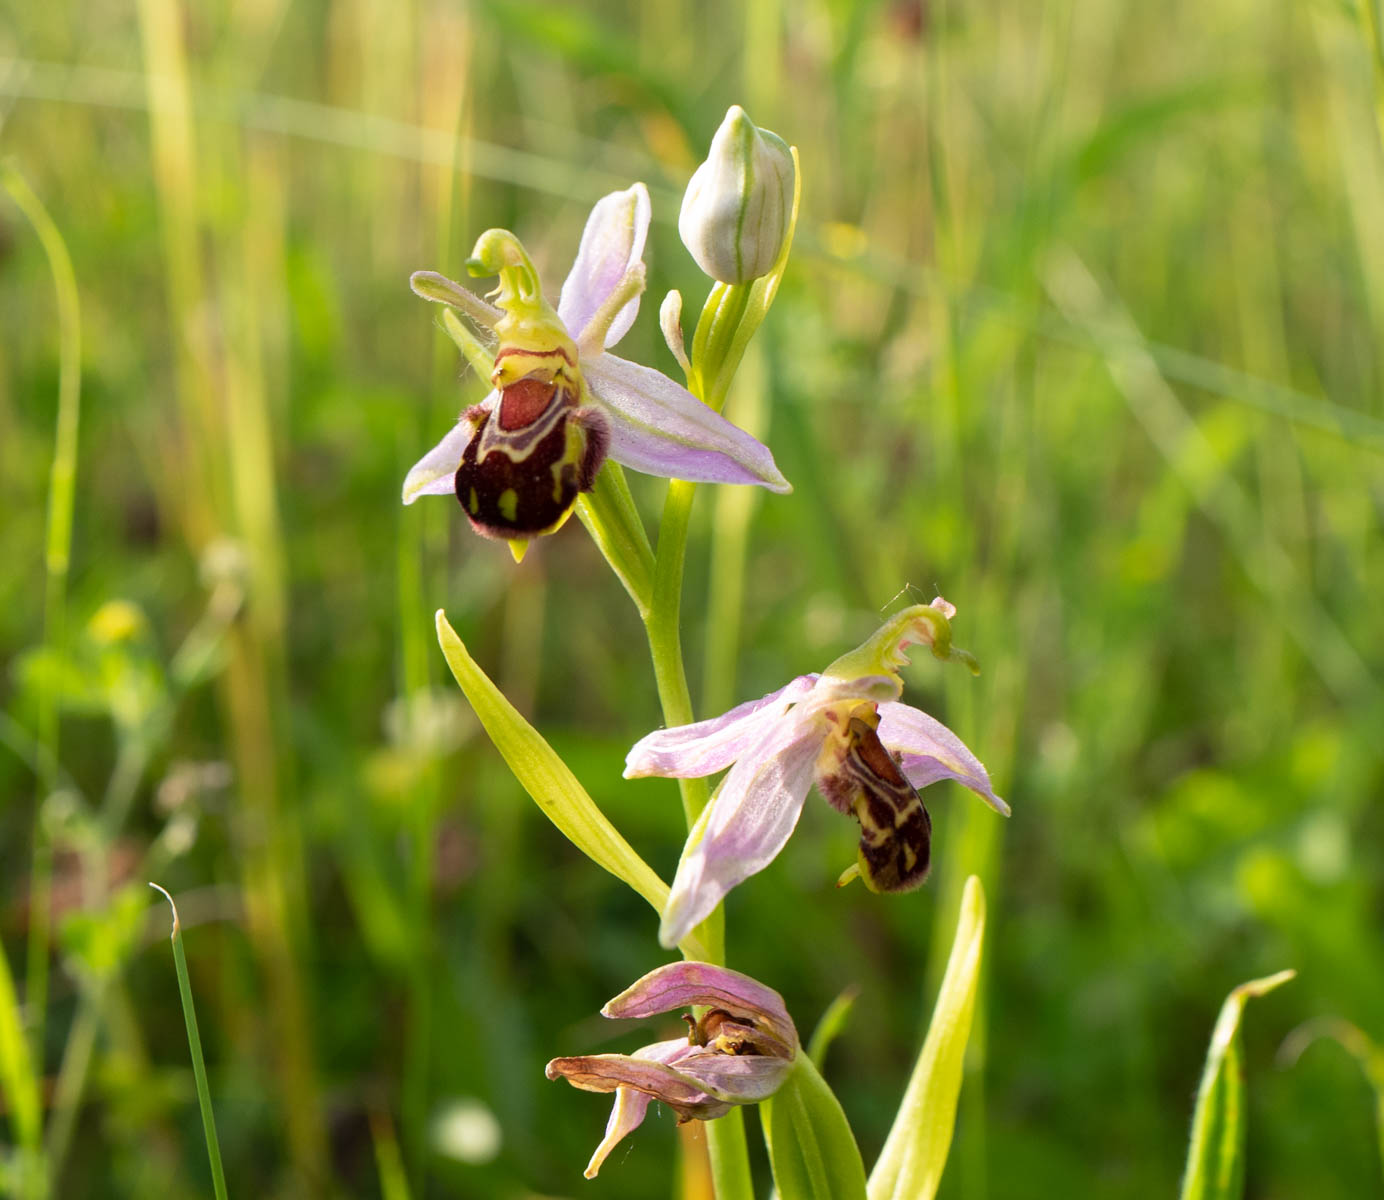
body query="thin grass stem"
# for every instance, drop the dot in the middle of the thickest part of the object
(194, 1041)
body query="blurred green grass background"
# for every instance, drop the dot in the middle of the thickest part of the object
(1082, 331)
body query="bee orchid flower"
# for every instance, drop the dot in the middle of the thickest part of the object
(738, 1051)
(560, 403)
(845, 730)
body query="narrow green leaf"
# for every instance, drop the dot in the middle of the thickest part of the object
(194, 1041)
(549, 781)
(812, 1151)
(18, 1083)
(915, 1152)
(389, 1163)
(1216, 1156)
(832, 1022)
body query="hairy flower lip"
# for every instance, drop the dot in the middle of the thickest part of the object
(740, 1059)
(776, 747)
(656, 426)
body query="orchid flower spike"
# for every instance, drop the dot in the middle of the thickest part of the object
(846, 731)
(560, 404)
(739, 1051)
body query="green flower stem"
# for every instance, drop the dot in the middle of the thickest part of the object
(725, 592)
(663, 627)
(728, 320)
(725, 1137)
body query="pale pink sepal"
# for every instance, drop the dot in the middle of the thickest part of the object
(433, 474)
(658, 427)
(932, 752)
(612, 245)
(682, 984)
(745, 826)
(691, 751)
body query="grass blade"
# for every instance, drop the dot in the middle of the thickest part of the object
(194, 1041)
(831, 1023)
(910, 1165)
(1216, 1157)
(18, 1084)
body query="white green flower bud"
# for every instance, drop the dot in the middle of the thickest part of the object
(739, 204)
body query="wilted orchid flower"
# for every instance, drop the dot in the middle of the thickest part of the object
(739, 1051)
(518, 460)
(844, 729)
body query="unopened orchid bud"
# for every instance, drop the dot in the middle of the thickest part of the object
(738, 206)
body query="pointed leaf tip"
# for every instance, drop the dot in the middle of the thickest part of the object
(177, 924)
(1216, 1154)
(544, 775)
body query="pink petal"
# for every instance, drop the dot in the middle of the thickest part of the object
(647, 1070)
(691, 751)
(681, 984)
(746, 824)
(627, 1113)
(737, 1078)
(611, 245)
(433, 474)
(660, 428)
(931, 752)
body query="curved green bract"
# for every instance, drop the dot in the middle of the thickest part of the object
(548, 780)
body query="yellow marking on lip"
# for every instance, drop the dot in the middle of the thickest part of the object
(508, 504)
